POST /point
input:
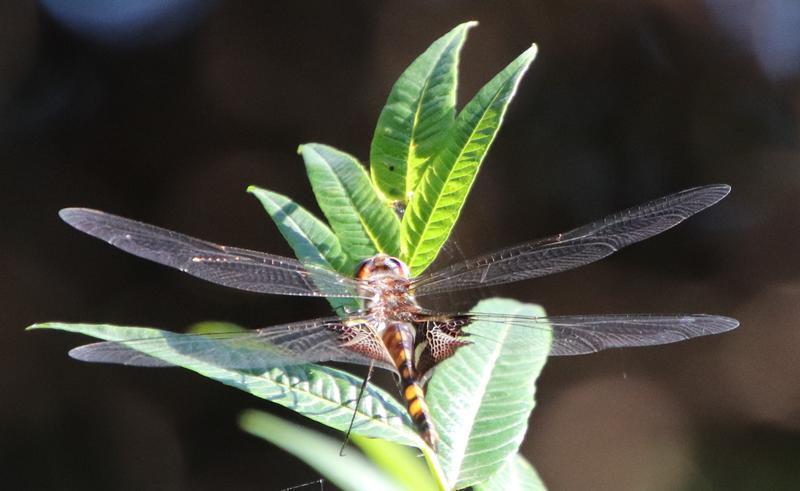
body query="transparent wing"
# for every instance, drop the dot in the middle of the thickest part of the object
(583, 334)
(313, 341)
(577, 247)
(229, 266)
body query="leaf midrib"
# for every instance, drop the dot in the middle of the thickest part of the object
(359, 214)
(376, 421)
(381, 423)
(484, 382)
(450, 172)
(418, 109)
(414, 127)
(320, 253)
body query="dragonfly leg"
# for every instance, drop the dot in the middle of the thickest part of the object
(355, 409)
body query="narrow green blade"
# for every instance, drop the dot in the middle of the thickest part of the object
(516, 475)
(418, 113)
(310, 239)
(402, 463)
(481, 398)
(438, 199)
(349, 472)
(320, 393)
(363, 222)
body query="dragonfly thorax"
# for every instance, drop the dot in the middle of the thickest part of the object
(386, 281)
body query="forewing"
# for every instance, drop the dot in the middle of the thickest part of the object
(584, 334)
(577, 247)
(313, 341)
(229, 266)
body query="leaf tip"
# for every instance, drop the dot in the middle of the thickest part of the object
(34, 327)
(248, 419)
(253, 189)
(311, 150)
(532, 51)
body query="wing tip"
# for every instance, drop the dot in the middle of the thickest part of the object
(729, 323)
(724, 189)
(80, 353)
(75, 216)
(67, 214)
(115, 353)
(715, 191)
(718, 324)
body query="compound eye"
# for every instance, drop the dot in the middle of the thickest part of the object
(364, 268)
(398, 265)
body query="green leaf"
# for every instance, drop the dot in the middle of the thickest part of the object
(350, 472)
(481, 397)
(418, 113)
(516, 475)
(214, 327)
(310, 239)
(398, 461)
(364, 223)
(438, 200)
(320, 393)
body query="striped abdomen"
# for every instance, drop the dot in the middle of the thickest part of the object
(399, 340)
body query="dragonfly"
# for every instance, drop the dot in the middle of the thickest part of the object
(391, 329)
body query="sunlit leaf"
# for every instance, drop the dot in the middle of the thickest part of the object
(438, 199)
(481, 398)
(324, 394)
(418, 113)
(516, 475)
(310, 239)
(213, 327)
(362, 221)
(351, 472)
(403, 463)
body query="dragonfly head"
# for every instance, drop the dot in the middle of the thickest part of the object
(380, 266)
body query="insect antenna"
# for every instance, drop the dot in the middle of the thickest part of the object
(355, 409)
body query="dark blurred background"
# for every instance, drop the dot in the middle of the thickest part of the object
(165, 110)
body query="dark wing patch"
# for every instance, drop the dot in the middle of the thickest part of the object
(438, 338)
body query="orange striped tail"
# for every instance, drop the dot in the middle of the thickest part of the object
(399, 341)
(418, 409)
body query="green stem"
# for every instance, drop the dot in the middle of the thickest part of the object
(436, 469)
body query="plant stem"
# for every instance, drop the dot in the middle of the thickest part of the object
(436, 469)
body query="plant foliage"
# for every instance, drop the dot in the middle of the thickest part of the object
(424, 158)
